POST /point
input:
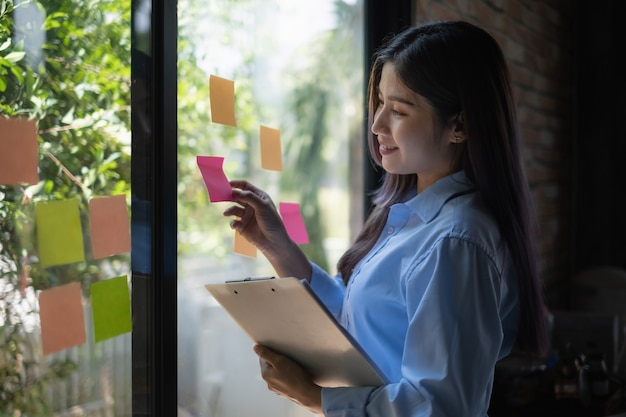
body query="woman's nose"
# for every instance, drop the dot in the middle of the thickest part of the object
(379, 127)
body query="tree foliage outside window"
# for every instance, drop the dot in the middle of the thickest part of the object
(317, 110)
(297, 67)
(65, 64)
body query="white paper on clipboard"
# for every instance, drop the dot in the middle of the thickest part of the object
(285, 315)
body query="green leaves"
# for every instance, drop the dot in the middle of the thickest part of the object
(76, 84)
(14, 57)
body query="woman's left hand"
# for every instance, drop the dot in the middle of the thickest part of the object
(288, 379)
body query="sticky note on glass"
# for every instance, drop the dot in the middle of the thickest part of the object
(215, 180)
(271, 152)
(222, 99)
(109, 225)
(62, 318)
(243, 247)
(110, 304)
(19, 151)
(59, 232)
(294, 223)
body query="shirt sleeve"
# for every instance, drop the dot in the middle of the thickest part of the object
(453, 341)
(329, 289)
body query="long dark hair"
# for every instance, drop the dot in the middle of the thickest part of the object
(461, 70)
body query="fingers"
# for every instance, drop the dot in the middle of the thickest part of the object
(288, 379)
(265, 354)
(248, 198)
(245, 194)
(235, 211)
(243, 185)
(265, 364)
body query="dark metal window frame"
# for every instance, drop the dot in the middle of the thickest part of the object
(155, 180)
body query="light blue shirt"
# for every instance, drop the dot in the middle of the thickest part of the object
(434, 303)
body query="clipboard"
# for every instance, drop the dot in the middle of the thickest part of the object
(285, 315)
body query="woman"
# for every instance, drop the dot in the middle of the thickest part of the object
(442, 281)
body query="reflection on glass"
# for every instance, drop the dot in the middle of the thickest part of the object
(64, 64)
(297, 68)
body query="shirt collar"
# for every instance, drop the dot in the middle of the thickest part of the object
(429, 202)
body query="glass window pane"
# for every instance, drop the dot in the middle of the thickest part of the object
(65, 81)
(297, 68)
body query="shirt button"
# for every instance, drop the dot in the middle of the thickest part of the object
(390, 230)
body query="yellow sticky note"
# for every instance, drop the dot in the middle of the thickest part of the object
(243, 247)
(222, 98)
(110, 226)
(62, 318)
(110, 303)
(19, 151)
(271, 152)
(59, 232)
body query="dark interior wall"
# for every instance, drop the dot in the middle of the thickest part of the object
(381, 19)
(565, 64)
(600, 216)
(537, 38)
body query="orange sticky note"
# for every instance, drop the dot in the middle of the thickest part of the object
(19, 151)
(62, 318)
(294, 223)
(243, 247)
(110, 226)
(271, 152)
(59, 232)
(222, 98)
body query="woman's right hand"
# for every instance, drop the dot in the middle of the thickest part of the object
(258, 221)
(256, 217)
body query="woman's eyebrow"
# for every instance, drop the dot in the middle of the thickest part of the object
(396, 98)
(401, 100)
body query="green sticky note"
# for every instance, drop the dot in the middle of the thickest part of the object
(59, 232)
(110, 304)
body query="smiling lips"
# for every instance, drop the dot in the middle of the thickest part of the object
(386, 150)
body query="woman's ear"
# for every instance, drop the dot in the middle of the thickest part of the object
(457, 129)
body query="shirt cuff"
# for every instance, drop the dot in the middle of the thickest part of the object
(345, 402)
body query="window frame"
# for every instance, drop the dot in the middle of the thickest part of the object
(154, 302)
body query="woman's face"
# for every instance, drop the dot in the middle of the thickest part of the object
(410, 141)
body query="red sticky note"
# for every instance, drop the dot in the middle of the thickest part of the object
(294, 223)
(19, 151)
(214, 178)
(110, 227)
(62, 318)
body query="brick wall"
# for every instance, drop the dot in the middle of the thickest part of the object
(536, 37)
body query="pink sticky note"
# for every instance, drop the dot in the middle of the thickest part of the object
(214, 178)
(62, 318)
(19, 151)
(294, 223)
(110, 226)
